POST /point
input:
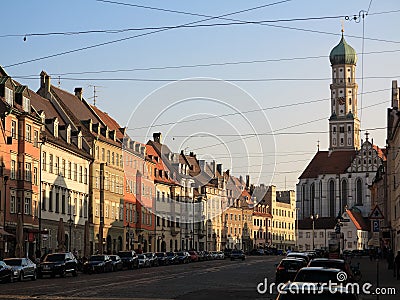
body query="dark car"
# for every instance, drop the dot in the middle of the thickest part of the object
(288, 268)
(194, 256)
(98, 264)
(153, 259)
(307, 291)
(319, 275)
(58, 264)
(256, 252)
(299, 255)
(237, 254)
(162, 258)
(227, 253)
(183, 257)
(6, 272)
(172, 258)
(117, 263)
(22, 268)
(129, 259)
(332, 263)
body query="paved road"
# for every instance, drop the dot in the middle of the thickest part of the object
(204, 280)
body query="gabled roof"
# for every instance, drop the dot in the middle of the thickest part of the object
(325, 162)
(109, 121)
(42, 104)
(380, 151)
(159, 166)
(357, 219)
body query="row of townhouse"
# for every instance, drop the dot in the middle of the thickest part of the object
(72, 179)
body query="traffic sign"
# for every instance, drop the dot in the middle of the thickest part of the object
(375, 226)
(376, 213)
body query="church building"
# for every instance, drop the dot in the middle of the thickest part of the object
(338, 178)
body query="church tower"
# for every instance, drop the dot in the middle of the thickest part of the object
(344, 125)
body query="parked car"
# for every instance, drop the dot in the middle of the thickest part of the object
(117, 263)
(237, 254)
(129, 259)
(227, 253)
(332, 263)
(308, 291)
(98, 264)
(183, 257)
(256, 252)
(153, 259)
(162, 258)
(207, 255)
(318, 275)
(299, 255)
(58, 264)
(288, 268)
(22, 268)
(193, 256)
(144, 261)
(172, 258)
(200, 255)
(6, 272)
(220, 255)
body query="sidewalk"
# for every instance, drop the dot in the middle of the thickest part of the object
(369, 275)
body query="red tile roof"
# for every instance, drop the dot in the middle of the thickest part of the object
(159, 166)
(357, 219)
(109, 121)
(325, 162)
(381, 152)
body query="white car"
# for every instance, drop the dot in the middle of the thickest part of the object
(144, 261)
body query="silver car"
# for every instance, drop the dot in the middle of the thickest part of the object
(22, 268)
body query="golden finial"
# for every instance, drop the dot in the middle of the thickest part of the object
(342, 22)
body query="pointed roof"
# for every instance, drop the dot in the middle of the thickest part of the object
(343, 53)
(109, 121)
(326, 162)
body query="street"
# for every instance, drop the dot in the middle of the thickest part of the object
(217, 278)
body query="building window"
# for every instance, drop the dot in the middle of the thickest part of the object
(44, 200)
(57, 202)
(26, 104)
(28, 136)
(63, 204)
(344, 193)
(108, 156)
(332, 195)
(75, 205)
(50, 200)
(85, 207)
(9, 95)
(35, 176)
(102, 154)
(12, 205)
(112, 158)
(28, 172)
(97, 152)
(63, 168)
(69, 170)
(51, 163)
(80, 174)
(13, 167)
(75, 172)
(35, 138)
(85, 176)
(14, 129)
(359, 192)
(57, 165)
(27, 206)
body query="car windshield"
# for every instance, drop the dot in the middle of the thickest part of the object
(171, 254)
(149, 255)
(55, 257)
(141, 256)
(315, 276)
(236, 252)
(160, 254)
(97, 258)
(125, 254)
(181, 254)
(113, 257)
(13, 262)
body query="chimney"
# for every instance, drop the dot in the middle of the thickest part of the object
(247, 181)
(78, 92)
(45, 82)
(219, 168)
(157, 137)
(395, 95)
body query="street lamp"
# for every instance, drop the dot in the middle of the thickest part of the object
(313, 219)
(70, 223)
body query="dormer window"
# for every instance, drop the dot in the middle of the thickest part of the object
(9, 95)
(80, 140)
(55, 128)
(69, 134)
(26, 104)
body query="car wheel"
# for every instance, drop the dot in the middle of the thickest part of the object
(34, 276)
(63, 273)
(11, 279)
(21, 276)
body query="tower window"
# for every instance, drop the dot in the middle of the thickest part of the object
(341, 129)
(334, 141)
(334, 129)
(341, 141)
(349, 141)
(340, 70)
(348, 70)
(349, 101)
(341, 92)
(349, 91)
(349, 128)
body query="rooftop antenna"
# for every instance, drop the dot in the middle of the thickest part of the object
(94, 93)
(59, 81)
(318, 145)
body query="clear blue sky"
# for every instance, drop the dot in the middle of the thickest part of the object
(204, 45)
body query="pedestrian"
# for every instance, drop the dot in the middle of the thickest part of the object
(397, 264)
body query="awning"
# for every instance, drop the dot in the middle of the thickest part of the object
(3, 232)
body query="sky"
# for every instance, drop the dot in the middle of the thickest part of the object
(252, 96)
